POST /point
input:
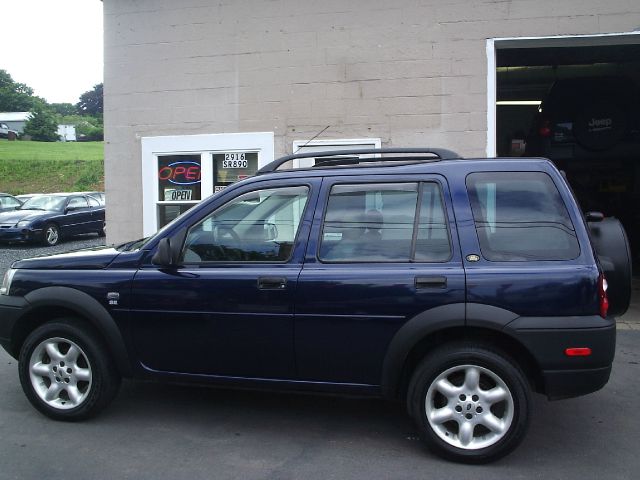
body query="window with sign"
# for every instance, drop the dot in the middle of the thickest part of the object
(231, 167)
(179, 185)
(179, 178)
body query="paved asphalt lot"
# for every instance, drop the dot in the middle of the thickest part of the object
(156, 432)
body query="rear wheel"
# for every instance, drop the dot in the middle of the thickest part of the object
(103, 231)
(470, 403)
(66, 372)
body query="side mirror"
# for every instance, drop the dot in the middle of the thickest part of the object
(594, 216)
(70, 209)
(162, 257)
(270, 232)
(168, 251)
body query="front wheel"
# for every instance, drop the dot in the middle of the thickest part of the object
(471, 403)
(66, 372)
(51, 234)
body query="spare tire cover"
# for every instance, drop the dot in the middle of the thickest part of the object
(600, 126)
(612, 247)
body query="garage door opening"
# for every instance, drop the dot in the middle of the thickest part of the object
(576, 101)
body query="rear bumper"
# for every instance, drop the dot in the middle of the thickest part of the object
(574, 383)
(547, 338)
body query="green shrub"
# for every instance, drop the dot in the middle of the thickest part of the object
(42, 126)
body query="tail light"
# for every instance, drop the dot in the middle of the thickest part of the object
(545, 128)
(602, 295)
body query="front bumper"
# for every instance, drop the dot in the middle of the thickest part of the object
(11, 308)
(547, 338)
(14, 234)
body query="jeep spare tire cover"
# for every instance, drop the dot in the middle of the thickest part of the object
(600, 126)
(612, 247)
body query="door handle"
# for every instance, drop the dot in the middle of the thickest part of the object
(272, 283)
(431, 282)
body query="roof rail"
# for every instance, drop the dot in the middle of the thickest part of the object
(350, 157)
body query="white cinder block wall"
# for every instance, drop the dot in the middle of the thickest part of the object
(411, 72)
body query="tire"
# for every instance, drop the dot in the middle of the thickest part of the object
(56, 384)
(600, 126)
(465, 424)
(612, 247)
(51, 234)
(103, 231)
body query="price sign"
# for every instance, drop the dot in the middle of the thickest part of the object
(234, 160)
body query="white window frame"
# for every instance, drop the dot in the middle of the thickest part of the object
(493, 44)
(333, 144)
(205, 145)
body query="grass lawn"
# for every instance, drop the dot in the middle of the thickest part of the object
(46, 167)
(27, 150)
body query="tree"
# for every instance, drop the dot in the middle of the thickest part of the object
(91, 101)
(15, 96)
(63, 108)
(42, 125)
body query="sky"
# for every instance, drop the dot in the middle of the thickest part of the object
(54, 46)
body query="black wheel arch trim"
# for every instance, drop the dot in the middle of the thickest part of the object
(408, 336)
(431, 321)
(89, 308)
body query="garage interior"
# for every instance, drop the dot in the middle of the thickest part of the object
(577, 102)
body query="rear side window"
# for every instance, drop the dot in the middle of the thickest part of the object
(520, 216)
(377, 223)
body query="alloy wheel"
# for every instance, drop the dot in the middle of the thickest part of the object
(60, 373)
(469, 407)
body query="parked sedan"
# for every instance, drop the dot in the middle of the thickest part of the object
(8, 202)
(49, 218)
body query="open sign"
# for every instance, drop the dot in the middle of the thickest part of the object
(180, 173)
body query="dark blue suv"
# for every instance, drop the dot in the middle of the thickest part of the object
(455, 286)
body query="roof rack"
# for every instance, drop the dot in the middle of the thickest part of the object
(350, 157)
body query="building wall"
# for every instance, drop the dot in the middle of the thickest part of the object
(411, 72)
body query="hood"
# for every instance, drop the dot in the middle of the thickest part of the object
(86, 259)
(14, 216)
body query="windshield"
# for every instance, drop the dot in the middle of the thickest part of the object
(44, 202)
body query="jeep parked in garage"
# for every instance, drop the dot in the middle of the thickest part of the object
(590, 128)
(458, 287)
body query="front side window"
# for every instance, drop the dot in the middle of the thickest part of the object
(258, 226)
(520, 216)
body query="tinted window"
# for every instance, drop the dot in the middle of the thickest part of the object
(8, 202)
(255, 227)
(520, 216)
(77, 202)
(432, 240)
(369, 223)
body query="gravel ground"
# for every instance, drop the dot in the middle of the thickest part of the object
(11, 253)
